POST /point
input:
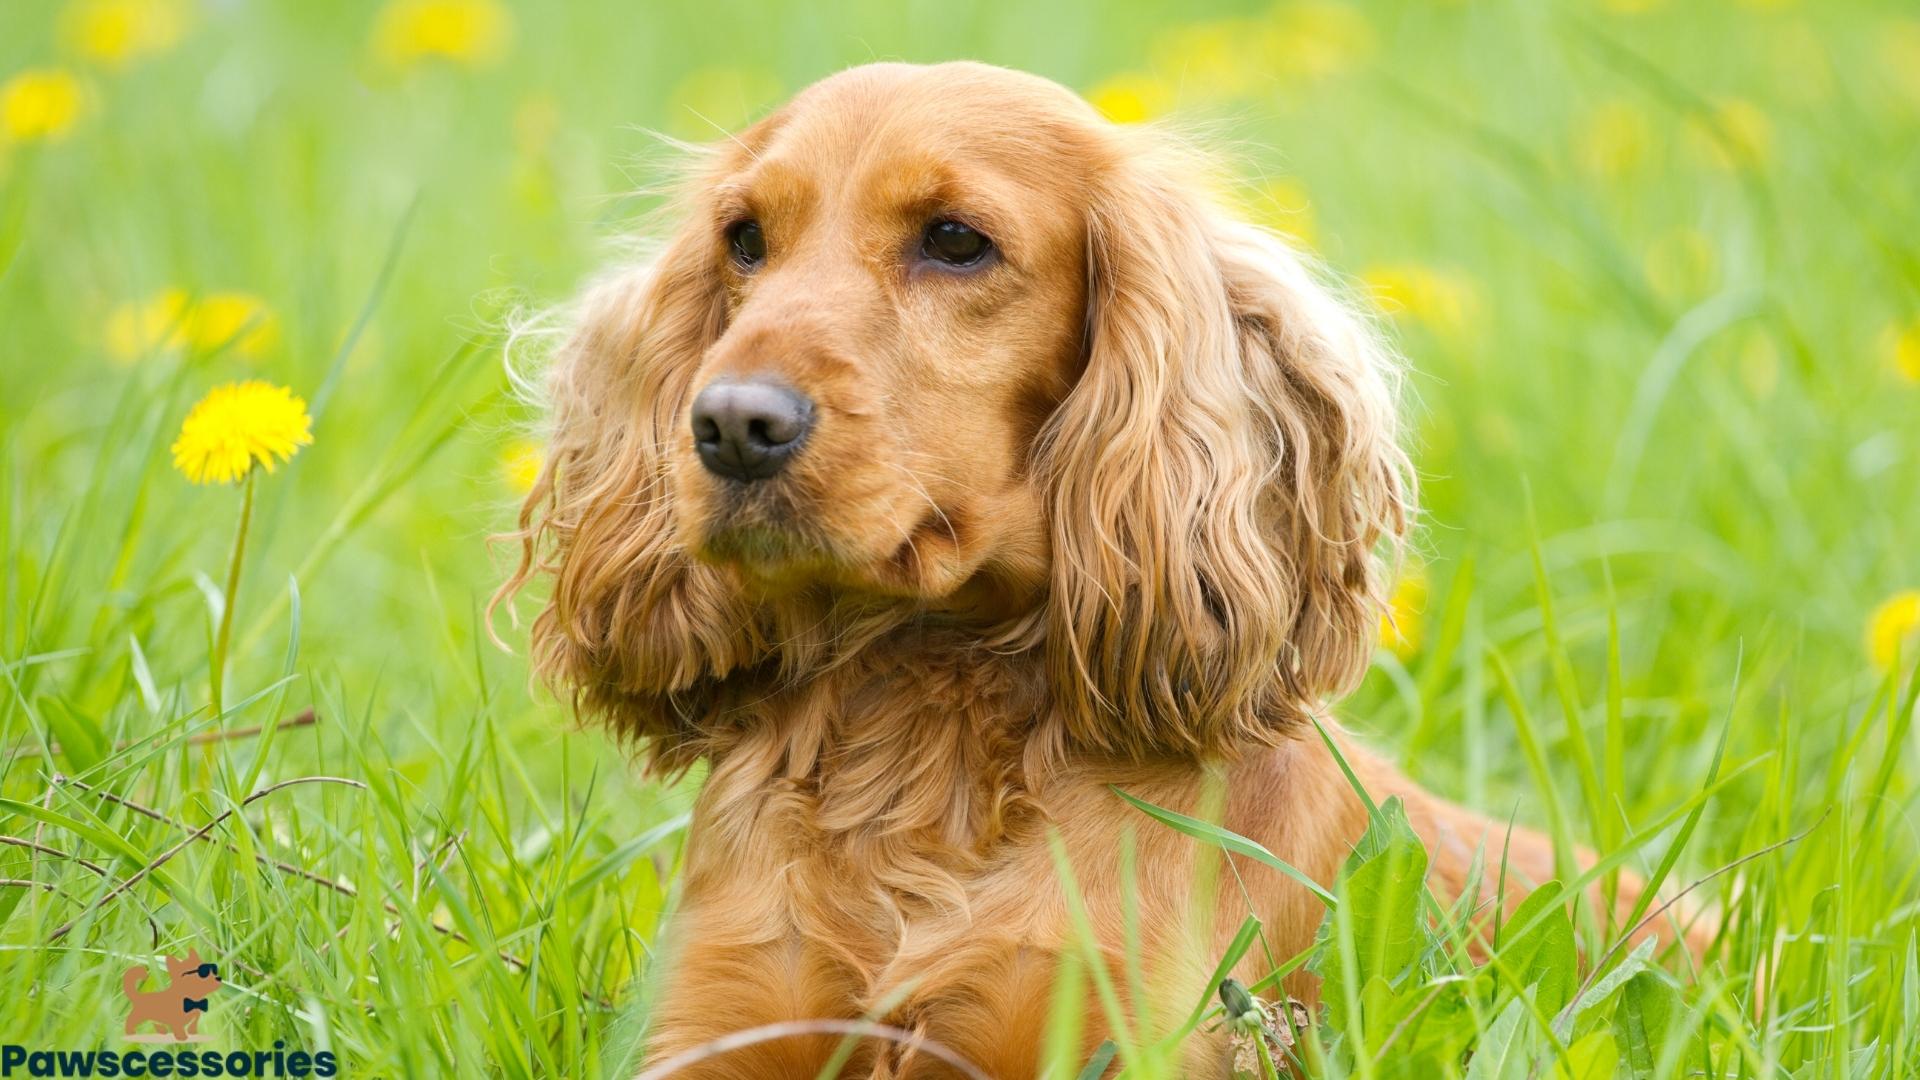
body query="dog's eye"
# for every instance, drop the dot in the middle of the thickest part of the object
(748, 243)
(955, 243)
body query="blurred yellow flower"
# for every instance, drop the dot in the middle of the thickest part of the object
(1131, 98)
(1630, 7)
(40, 104)
(169, 320)
(712, 102)
(520, 463)
(137, 328)
(239, 319)
(1403, 624)
(117, 32)
(1283, 205)
(1680, 263)
(1444, 301)
(1893, 630)
(1313, 39)
(1738, 135)
(1900, 54)
(471, 32)
(1613, 140)
(1207, 60)
(240, 425)
(1902, 344)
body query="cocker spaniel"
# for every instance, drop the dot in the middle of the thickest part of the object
(957, 462)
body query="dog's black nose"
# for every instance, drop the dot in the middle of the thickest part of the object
(749, 429)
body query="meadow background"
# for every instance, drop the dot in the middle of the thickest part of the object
(1656, 266)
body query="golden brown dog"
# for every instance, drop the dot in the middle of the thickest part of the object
(956, 460)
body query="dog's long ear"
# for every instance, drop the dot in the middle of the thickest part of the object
(1220, 479)
(634, 628)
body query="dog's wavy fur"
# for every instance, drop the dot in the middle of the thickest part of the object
(1114, 510)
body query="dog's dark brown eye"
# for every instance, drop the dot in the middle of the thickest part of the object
(748, 243)
(955, 243)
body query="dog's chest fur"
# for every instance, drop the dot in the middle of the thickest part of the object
(894, 788)
(876, 844)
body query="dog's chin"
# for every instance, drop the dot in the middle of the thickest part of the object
(779, 548)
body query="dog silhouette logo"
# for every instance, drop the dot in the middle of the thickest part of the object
(179, 1005)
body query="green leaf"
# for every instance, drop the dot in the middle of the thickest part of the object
(1440, 1024)
(15, 865)
(1910, 986)
(1097, 1064)
(1505, 1051)
(621, 857)
(1375, 930)
(1637, 961)
(1542, 957)
(82, 744)
(1227, 840)
(1593, 1057)
(1648, 1005)
(107, 841)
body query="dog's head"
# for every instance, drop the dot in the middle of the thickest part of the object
(192, 976)
(941, 343)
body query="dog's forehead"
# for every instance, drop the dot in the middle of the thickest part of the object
(898, 139)
(936, 120)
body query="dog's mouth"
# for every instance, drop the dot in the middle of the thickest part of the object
(758, 526)
(763, 533)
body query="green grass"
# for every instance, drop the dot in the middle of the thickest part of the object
(1670, 465)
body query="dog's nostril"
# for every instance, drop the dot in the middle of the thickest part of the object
(748, 429)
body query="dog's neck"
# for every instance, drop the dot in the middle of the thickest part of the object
(925, 738)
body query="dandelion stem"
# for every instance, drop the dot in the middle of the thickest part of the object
(229, 599)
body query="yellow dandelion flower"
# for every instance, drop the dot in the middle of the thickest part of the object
(1131, 98)
(1893, 630)
(238, 426)
(158, 323)
(1738, 135)
(116, 33)
(1900, 54)
(1902, 344)
(1402, 624)
(1284, 206)
(714, 101)
(238, 319)
(521, 462)
(1444, 301)
(40, 104)
(471, 32)
(1614, 139)
(1680, 263)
